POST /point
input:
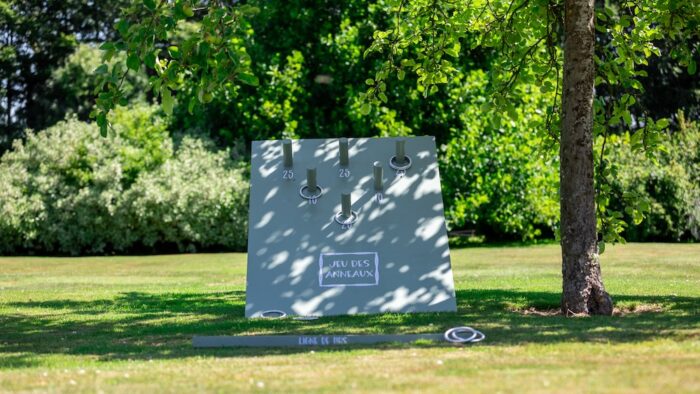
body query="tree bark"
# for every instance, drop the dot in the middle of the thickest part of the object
(583, 290)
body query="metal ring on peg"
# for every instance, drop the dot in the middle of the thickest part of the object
(273, 314)
(398, 167)
(304, 193)
(352, 219)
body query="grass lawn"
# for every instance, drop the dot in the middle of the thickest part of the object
(124, 324)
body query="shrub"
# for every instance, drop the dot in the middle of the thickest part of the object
(669, 181)
(60, 192)
(66, 190)
(500, 179)
(196, 200)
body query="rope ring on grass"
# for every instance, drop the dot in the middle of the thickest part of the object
(453, 335)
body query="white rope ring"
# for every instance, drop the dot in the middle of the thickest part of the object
(352, 219)
(398, 167)
(273, 314)
(303, 192)
(452, 335)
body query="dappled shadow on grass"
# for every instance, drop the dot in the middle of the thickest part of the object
(160, 325)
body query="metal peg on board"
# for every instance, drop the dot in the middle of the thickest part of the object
(346, 205)
(287, 153)
(311, 191)
(378, 181)
(400, 161)
(344, 152)
(311, 179)
(346, 217)
(401, 151)
(378, 177)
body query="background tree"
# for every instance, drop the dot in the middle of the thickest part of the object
(36, 36)
(425, 38)
(498, 154)
(529, 34)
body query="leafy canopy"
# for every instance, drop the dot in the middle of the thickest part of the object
(199, 63)
(426, 39)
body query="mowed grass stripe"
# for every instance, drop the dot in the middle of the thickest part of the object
(125, 323)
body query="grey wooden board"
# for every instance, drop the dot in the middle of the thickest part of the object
(400, 242)
(307, 340)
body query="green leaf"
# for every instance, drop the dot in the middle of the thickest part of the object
(102, 122)
(123, 27)
(637, 138)
(133, 62)
(249, 10)
(662, 123)
(190, 106)
(174, 52)
(107, 56)
(167, 101)
(187, 10)
(454, 51)
(365, 109)
(383, 97)
(150, 60)
(637, 217)
(249, 79)
(150, 4)
(601, 247)
(203, 96)
(369, 81)
(158, 67)
(512, 113)
(102, 69)
(644, 206)
(627, 117)
(692, 67)
(547, 87)
(401, 75)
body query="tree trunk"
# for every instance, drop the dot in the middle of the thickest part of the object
(583, 290)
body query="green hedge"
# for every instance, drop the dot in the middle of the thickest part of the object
(66, 190)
